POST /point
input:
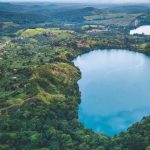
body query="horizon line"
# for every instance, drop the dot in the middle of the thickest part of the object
(73, 2)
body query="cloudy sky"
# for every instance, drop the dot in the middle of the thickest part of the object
(84, 1)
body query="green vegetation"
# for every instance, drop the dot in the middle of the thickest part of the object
(39, 94)
(120, 19)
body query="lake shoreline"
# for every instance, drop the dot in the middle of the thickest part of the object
(136, 54)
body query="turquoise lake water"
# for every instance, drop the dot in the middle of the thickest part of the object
(115, 89)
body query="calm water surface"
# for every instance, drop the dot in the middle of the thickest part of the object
(141, 30)
(115, 89)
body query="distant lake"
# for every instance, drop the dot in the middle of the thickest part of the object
(141, 30)
(115, 89)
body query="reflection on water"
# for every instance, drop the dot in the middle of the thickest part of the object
(114, 89)
(141, 30)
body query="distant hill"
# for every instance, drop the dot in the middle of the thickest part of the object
(23, 7)
(68, 14)
(131, 9)
(77, 15)
(144, 19)
(31, 15)
(24, 12)
(20, 18)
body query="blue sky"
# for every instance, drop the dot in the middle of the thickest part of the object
(85, 1)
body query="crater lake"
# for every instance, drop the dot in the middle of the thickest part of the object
(115, 89)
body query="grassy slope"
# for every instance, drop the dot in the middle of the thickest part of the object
(48, 119)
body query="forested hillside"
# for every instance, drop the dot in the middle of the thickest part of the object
(39, 94)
